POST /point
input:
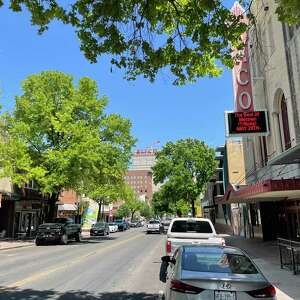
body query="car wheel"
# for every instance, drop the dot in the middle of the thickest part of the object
(64, 239)
(38, 242)
(78, 237)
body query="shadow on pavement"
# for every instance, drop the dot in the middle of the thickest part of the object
(29, 294)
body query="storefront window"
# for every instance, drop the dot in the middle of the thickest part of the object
(285, 124)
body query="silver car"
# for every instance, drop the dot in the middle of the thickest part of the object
(213, 273)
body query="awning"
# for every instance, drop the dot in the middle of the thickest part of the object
(290, 156)
(69, 207)
(267, 190)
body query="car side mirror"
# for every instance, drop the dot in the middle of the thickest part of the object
(168, 259)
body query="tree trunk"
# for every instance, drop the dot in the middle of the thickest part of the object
(193, 208)
(99, 211)
(132, 214)
(52, 207)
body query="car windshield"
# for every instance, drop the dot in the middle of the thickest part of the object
(112, 224)
(191, 226)
(203, 259)
(118, 221)
(99, 225)
(154, 222)
(63, 220)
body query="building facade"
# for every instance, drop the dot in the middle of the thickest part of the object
(140, 175)
(272, 179)
(22, 210)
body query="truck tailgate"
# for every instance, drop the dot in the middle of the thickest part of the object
(177, 242)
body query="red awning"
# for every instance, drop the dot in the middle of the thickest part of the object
(271, 190)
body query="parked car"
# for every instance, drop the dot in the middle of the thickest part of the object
(113, 227)
(166, 223)
(154, 226)
(121, 225)
(100, 229)
(135, 224)
(214, 272)
(61, 230)
(127, 224)
(186, 231)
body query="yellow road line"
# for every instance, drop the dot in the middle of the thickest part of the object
(39, 275)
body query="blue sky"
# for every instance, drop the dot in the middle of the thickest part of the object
(159, 111)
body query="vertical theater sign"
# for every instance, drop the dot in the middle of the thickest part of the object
(244, 120)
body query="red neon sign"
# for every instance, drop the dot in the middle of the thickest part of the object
(241, 70)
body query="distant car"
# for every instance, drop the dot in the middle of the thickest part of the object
(214, 272)
(135, 224)
(121, 225)
(127, 224)
(113, 227)
(100, 229)
(166, 223)
(61, 230)
(154, 226)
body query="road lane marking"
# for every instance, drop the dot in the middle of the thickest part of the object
(39, 275)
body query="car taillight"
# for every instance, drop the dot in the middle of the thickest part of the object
(266, 292)
(181, 287)
(168, 247)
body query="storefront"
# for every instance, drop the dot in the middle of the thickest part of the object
(267, 209)
(27, 217)
(67, 211)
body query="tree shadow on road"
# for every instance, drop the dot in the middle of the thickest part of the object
(30, 294)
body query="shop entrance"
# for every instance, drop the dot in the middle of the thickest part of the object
(26, 223)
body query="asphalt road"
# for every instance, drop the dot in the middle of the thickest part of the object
(123, 266)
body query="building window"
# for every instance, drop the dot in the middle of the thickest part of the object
(263, 151)
(285, 124)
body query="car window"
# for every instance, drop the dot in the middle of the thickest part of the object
(190, 226)
(63, 220)
(99, 225)
(216, 262)
(154, 222)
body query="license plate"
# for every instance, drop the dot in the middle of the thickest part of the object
(224, 295)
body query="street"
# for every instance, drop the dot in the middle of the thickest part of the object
(124, 265)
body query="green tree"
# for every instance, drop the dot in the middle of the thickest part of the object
(187, 37)
(289, 11)
(146, 211)
(184, 168)
(123, 211)
(166, 202)
(131, 200)
(60, 136)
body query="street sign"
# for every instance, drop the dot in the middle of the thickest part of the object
(246, 123)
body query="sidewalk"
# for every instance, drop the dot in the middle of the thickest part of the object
(266, 256)
(6, 244)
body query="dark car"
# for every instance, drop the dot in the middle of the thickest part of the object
(134, 224)
(122, 225)
(61, 230)
(100, 229)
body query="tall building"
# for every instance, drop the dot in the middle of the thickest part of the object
(139, 175)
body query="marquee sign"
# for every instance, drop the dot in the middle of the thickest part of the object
(241, 70)
(246, 123)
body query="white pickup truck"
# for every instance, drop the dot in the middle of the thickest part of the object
(186, 231)
(154, 226)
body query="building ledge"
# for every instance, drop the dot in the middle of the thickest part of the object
(267, 190)
(290, 156)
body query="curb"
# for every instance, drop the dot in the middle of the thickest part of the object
(15, 247)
